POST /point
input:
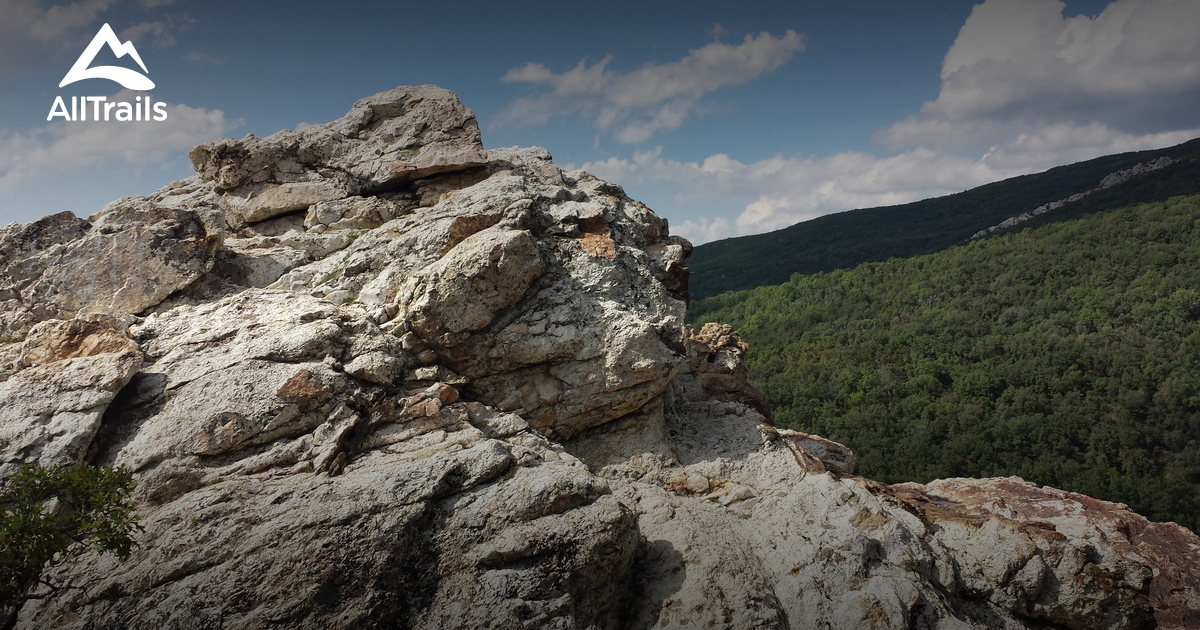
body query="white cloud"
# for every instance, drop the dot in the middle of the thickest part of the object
(777, 192)
(634, 105)
(703, 230)
(51, 23)
(1020, 65)
(63, 146)
(29, 33)
(1023, 89)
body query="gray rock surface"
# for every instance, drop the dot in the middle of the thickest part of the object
(125, 259)
(384, 142)
(391, 379)
(1110, 180)
(52, 408)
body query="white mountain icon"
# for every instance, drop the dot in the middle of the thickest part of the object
(126, 77)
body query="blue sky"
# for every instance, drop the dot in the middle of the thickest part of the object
(727, 118)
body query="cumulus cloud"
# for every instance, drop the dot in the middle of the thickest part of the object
(31, 35)
(703, 230)
(781, 191)
(63, 146)
(778, 192)
(29, 32)
(635, 105)
(1021, 65)
(1023, 89)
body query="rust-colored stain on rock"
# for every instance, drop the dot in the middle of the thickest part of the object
(1172, 551)
(596, 239)
(464, 226)
(305, 390)
(59, 341)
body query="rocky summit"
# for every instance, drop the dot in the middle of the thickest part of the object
(371, 374)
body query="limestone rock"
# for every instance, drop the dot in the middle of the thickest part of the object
(377, 367)
(23, 240)
(56, 340)
(834, 457)
(484, 274)
(496, 282)
(718, 363)
(384, 142)
(269, 201)
(385, 378)
(128, 258)
(353, 213)
(1114, 567)
(52, 411)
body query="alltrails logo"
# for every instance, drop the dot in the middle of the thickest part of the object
(130, 79)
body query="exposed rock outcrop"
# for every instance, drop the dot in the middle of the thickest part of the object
(384, 142)
(1110, 180)
(1113, 566)
(387, 378)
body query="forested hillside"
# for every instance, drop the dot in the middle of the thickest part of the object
(846, 239)
(1068, 354)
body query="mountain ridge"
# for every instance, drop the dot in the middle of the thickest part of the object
(846, 239)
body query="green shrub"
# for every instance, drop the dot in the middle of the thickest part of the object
(46, 513)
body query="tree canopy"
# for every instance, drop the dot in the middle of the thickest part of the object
(1068, 354)
(846, 239)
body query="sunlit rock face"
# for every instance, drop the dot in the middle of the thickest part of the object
(370, 374)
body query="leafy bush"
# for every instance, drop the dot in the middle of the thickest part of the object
(46, 512)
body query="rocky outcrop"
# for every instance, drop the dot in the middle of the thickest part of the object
(392, 379)
(1110, 180)
(127, 259)
(69, 371)
(384, 142)
(1113, 566)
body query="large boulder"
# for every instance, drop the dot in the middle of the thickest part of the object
(1070, 559)
(384, 142)
(126, 258)
(52, 408)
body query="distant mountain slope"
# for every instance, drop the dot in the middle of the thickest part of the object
(1067, 354)
(846, 239)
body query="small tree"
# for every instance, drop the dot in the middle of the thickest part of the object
(47, 512)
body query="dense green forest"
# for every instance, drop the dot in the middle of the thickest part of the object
(1068, 354)
(846, 239)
